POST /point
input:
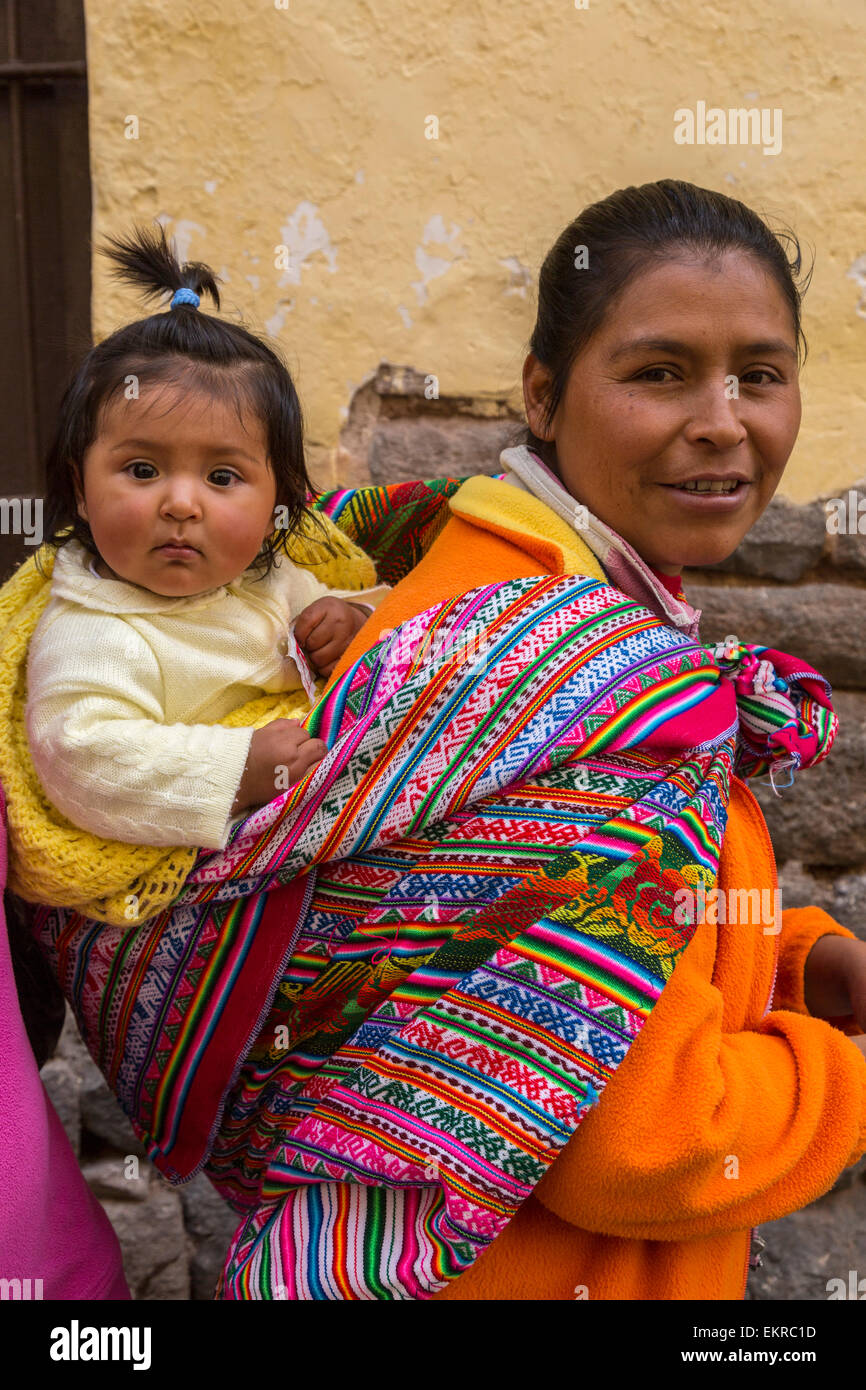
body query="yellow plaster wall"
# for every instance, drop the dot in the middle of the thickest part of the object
(304, 125)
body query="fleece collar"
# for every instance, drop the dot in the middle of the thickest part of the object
(531, 507)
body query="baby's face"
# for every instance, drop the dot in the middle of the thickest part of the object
(177, 491)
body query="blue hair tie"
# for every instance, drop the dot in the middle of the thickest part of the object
(185, 296)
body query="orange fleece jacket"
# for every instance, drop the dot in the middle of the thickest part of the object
(719, 1117)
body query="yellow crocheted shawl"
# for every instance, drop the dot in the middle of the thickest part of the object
(50, 860)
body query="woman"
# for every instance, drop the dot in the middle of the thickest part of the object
(669, 363)
(386, 1018)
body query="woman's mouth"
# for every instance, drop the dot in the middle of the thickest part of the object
(710, 493)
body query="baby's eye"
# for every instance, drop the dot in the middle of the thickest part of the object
(140, 469)
(224, 477)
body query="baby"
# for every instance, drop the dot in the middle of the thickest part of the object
(173, 601)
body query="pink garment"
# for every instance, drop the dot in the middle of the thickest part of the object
(52, 1228)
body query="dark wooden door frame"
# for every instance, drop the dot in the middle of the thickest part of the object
(16, 72)
(45, 232)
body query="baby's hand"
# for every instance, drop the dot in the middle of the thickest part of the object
(324, 630)
(279, 755)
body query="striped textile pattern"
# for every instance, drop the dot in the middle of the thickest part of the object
(395, 523)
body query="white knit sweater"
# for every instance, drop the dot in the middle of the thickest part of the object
(121, 680)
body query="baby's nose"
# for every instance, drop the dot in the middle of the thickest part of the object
(181, 503)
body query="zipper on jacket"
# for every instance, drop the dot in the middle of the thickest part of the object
(753, 1258)
(746, 1265)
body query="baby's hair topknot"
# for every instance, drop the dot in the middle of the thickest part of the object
(147, 261)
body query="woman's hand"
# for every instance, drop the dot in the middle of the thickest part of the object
(279, 755)
(835, 979)
(324, 630)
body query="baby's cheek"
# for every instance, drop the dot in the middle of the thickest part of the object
(241, 536)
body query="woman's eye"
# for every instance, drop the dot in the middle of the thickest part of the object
(759, 371)
(141, 470)
(224, 477)
(645, 376)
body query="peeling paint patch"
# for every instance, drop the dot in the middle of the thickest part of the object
(857, 273)
(405, 316)
(254, 280)
(275, 324)
(431, 267)
(521, 277)
(210, 186)
(359, 175)
(305, 235)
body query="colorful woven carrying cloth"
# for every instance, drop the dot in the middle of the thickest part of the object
(381, 1012)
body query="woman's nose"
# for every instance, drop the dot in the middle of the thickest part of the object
(716, 416)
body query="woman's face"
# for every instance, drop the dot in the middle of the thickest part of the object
(692, 377)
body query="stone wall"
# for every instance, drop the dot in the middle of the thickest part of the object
(791, 584)
(399, 427)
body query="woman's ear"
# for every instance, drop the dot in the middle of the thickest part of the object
(537, 381)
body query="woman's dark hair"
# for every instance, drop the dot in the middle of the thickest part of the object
(184, 346)
(629, 231)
